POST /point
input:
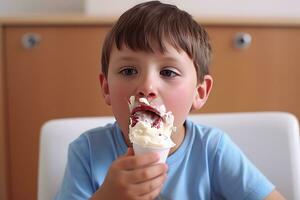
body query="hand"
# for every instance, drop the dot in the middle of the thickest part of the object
(133, 177)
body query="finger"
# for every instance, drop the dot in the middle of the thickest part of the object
(147, 173)
(138, 161)
(152, 195)
(148, 186)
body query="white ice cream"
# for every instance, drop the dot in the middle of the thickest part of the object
(150, 129)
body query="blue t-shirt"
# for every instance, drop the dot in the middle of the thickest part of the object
(207, 165)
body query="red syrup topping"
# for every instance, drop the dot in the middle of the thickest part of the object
(148, 110)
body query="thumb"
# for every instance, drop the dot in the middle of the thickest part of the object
(129, 152)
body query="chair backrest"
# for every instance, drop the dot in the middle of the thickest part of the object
(269, 139)
(56, 135)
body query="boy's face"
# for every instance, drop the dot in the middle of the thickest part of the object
(168, 79)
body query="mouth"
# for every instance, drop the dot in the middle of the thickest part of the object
(146, 113)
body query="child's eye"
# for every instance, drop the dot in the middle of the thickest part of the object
(168, 73)
(128, 71)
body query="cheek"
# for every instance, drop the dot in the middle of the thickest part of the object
(118, 92)
(119, 103)
(180, 103)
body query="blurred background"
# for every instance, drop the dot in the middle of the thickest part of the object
(17, 7)
(50, 61)
(113, 8)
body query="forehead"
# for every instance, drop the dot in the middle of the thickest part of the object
(125, 52)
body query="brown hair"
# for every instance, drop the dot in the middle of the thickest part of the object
(152, 24)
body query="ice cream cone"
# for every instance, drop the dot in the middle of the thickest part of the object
(163, 152)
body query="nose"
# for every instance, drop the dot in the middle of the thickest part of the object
(147, 88)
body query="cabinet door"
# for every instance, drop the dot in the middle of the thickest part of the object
(56, 78)
(3, 144)
(263, 77)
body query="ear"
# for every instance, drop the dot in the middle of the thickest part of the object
(105, 89)
(202, 93)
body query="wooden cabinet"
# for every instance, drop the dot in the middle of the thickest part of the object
(58, 78)
(263, 77)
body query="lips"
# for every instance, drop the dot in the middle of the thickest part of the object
(146, 113)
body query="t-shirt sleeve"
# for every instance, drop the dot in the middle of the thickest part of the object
(235, 177)
(77, 182)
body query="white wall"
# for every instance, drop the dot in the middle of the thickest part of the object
(13, 7)
(213, 8)
(198, 8)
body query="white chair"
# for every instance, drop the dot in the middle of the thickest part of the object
(269, 139)
(56, 135)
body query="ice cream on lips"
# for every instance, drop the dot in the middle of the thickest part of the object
(150, 125)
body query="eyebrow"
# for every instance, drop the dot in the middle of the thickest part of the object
(126, 58)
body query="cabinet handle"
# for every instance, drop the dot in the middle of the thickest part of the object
(242, 40)
(30, 40)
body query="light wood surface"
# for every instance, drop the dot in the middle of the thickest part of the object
(59, 78)
(71, 19)
(3, 127)
(264, 76)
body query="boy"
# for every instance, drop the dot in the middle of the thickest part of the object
(158, 52)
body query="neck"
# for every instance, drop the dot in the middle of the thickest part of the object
(177, 138)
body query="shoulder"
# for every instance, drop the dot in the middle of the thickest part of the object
(232, 175)
(216, 141)
(100, 144)
(92, 137)
(210, 137)
(206, 142)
